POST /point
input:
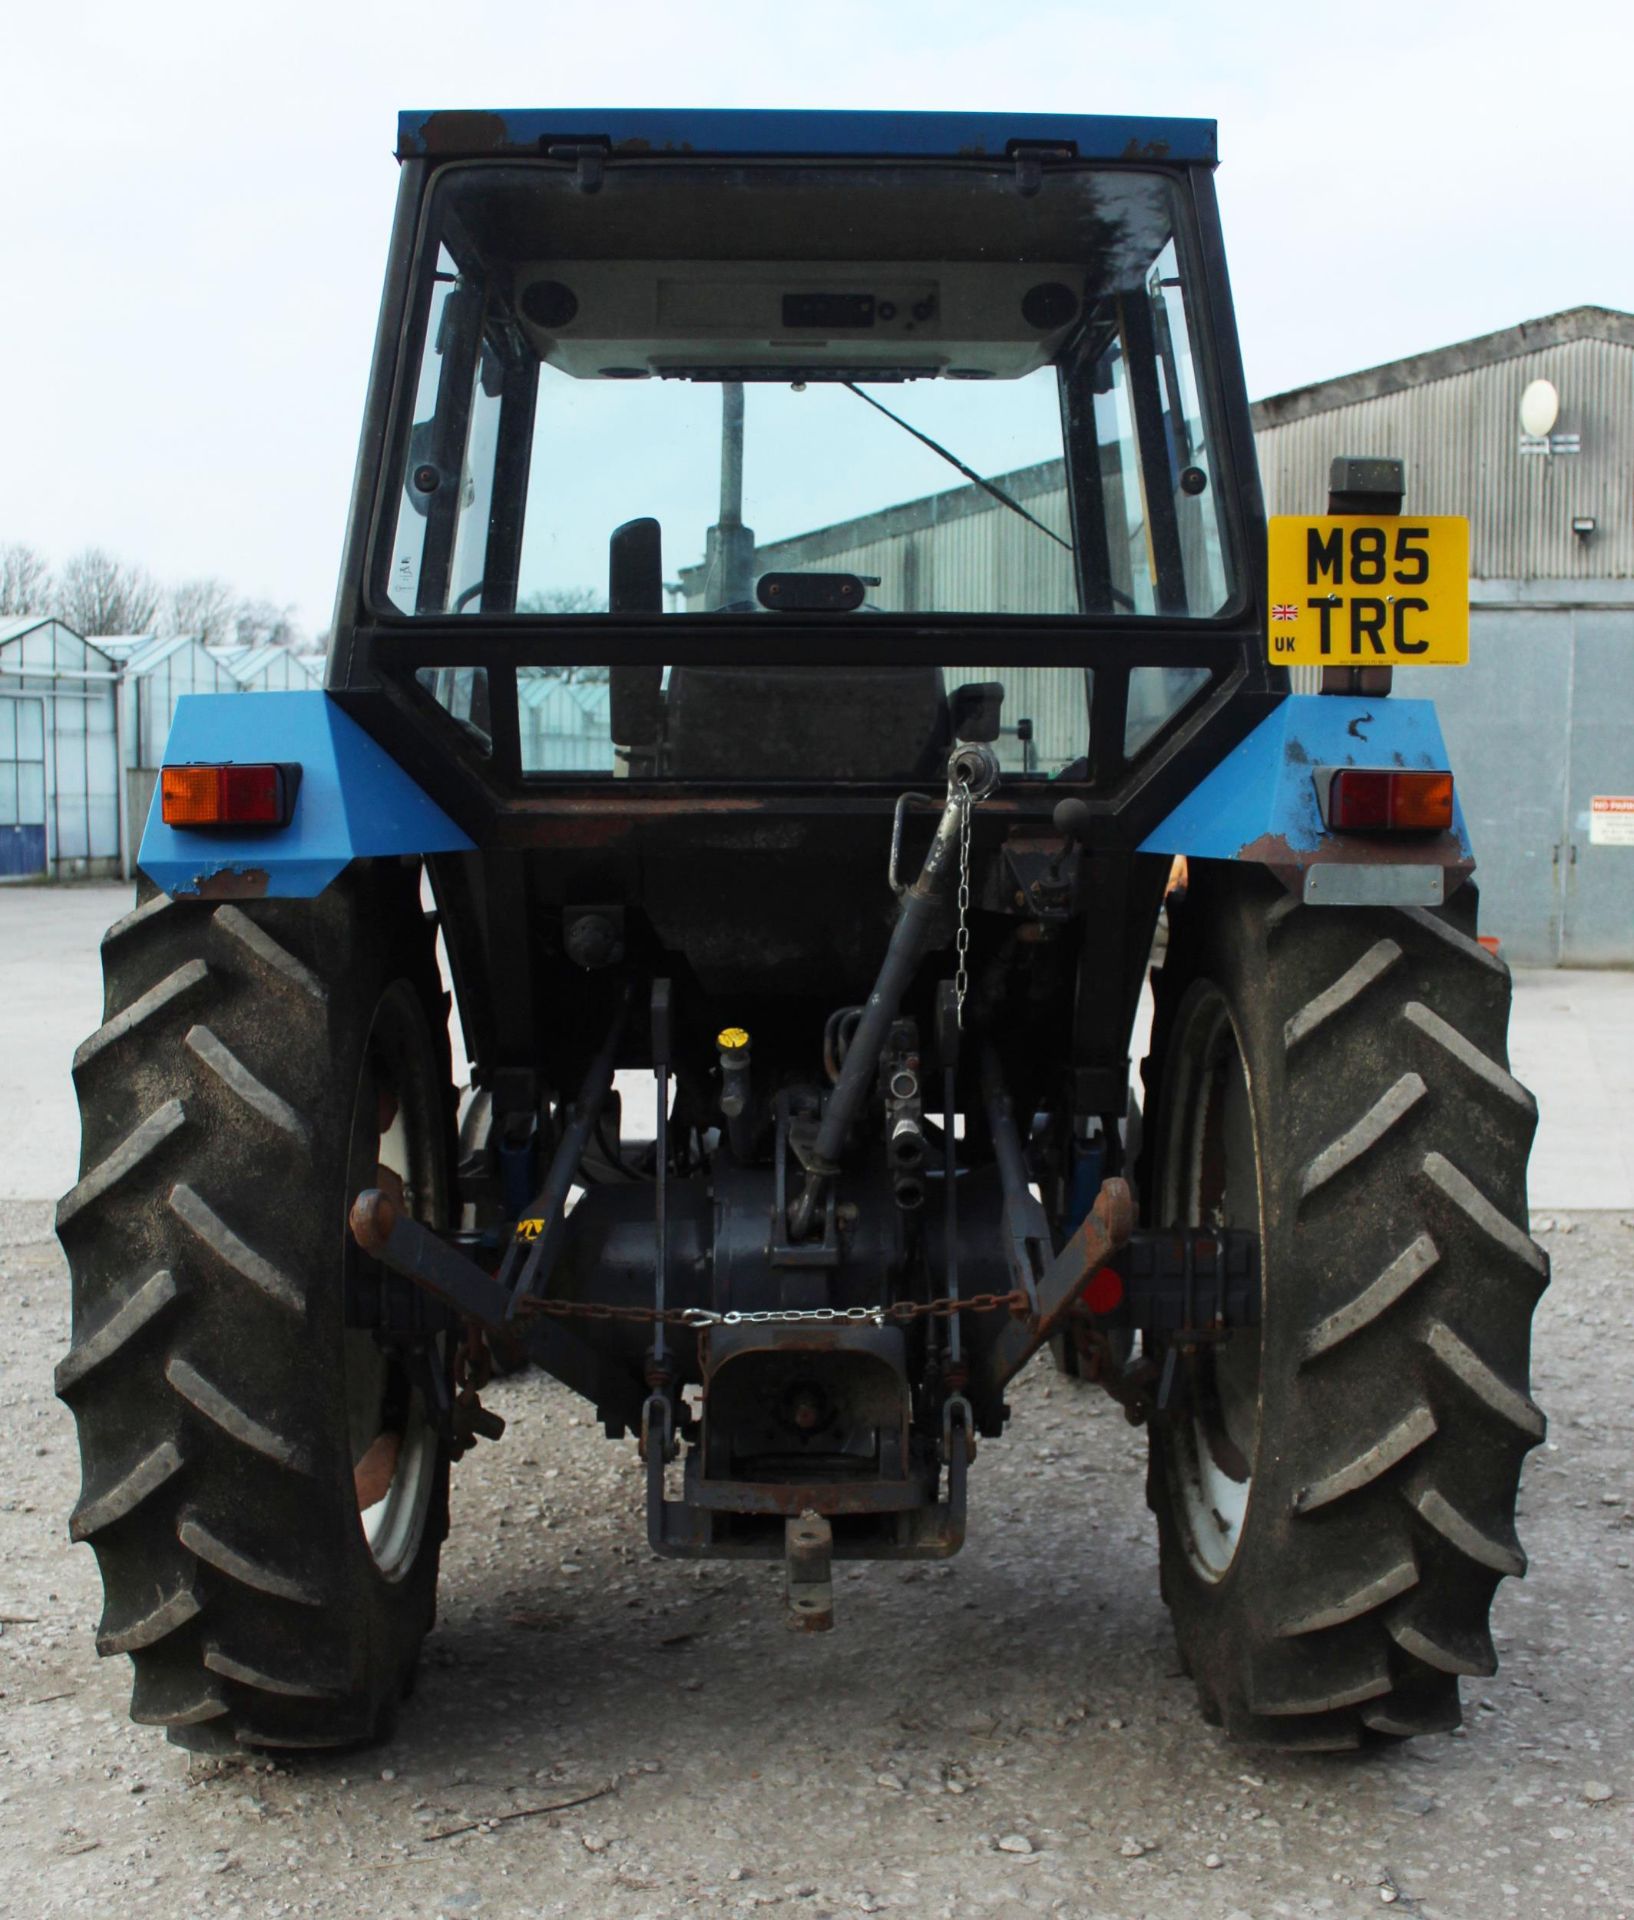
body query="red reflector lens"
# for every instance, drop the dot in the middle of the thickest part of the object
(1103, 1291)
(250, 796)
(1384, 799)
(221, 796)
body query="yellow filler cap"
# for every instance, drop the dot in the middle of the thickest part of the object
(731, 1039)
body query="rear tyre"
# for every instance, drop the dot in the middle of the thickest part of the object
(1336, 1492)
(265, 1484)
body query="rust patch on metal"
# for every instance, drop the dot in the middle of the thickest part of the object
(786, 1499)
(374, 1473)
(1358, 850)
(1104, 1229)
(463, 131)
(372, 1218)
(232, 883)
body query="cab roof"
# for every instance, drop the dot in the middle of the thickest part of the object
(632, 132)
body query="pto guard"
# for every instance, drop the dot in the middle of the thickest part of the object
(1260, 805)
(354, 801)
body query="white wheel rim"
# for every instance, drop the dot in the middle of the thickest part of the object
(1211, 1179)
(394, 1524)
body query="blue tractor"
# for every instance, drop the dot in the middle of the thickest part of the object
(806, 583)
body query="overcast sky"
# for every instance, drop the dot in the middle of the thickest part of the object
(194, 201)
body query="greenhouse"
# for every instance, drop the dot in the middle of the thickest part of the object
(83, 724)
(60, 811)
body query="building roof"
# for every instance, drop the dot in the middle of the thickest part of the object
(15, 625)
(17, 629)
(635, 132)
(1418, 369)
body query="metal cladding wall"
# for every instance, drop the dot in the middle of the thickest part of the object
(961, 551)
(1539, 722)
(1542, 718)
(957, 551)
(1460, 435)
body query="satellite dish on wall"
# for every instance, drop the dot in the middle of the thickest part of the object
(1540, 409)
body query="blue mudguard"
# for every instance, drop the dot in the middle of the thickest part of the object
(1260, 805)
(354, 801)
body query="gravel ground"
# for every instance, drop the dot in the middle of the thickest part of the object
(1004, 1734)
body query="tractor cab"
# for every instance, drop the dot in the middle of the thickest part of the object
(747, 411)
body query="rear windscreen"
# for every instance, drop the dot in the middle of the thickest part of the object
(904, 389)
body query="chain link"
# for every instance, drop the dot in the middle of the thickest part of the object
(961, 973)
(899, 1311)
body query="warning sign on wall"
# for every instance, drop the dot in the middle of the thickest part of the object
(1611, 820)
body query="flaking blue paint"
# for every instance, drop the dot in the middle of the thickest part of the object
(637, 131)
(1264, 785)
(354, 801)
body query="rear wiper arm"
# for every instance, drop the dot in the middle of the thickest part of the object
(953, 460)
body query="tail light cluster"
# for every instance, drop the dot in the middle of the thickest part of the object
(1385, 799)
(227, 796)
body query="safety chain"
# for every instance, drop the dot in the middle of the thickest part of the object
(961, 973)
(899, 1311)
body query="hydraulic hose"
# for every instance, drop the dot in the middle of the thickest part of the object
(972, 774)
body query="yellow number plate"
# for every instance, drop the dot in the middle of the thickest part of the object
(1347, 591)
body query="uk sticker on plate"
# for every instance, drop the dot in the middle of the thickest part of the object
(1349, 591)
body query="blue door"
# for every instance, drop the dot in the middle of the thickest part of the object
(22, 788)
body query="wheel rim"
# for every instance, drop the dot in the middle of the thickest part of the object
(1211, 1179)
(396, 1144)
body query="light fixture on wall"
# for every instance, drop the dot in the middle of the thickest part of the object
(1583, 525)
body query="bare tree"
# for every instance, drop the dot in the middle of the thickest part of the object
(258, 623)
(563, 600)
(98, 594)
(25, 580)
(204, 609)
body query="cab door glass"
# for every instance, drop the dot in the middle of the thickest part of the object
(446, 507)
(1157, 472)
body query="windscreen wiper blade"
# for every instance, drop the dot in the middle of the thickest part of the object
(953, 460)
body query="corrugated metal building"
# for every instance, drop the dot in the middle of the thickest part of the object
(961, 551)
(1539, 723)
(1542, 719)
(954, 550)
(1454, 416)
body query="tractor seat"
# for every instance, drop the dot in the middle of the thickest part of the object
(805, 722)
